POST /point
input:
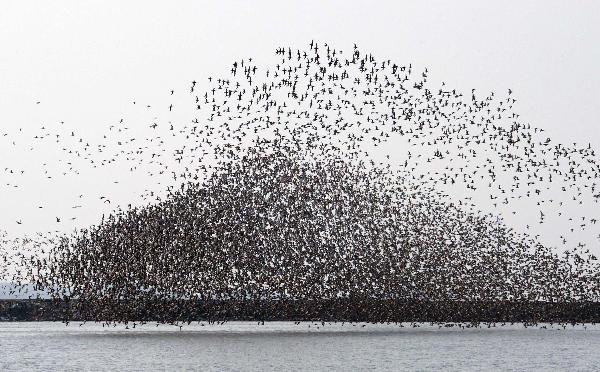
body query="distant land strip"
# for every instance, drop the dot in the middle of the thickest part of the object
(338, 310)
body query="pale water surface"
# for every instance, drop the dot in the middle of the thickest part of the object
(283, 346)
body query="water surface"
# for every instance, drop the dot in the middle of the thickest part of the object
(284, 346)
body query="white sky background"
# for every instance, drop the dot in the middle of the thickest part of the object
(86, 62)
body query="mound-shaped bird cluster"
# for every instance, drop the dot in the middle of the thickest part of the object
(279, 211)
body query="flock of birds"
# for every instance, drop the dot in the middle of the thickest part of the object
(279, 193)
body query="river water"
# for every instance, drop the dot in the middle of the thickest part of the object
(284, 346)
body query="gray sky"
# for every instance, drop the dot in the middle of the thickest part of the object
(85, 62)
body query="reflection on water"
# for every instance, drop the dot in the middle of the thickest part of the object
(286, 346)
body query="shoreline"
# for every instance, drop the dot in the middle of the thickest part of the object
(339, 310)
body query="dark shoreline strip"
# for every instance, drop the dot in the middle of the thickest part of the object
(316, 310)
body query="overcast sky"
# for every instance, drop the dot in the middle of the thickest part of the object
(85, 62)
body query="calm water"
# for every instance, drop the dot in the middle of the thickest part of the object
(283, 346)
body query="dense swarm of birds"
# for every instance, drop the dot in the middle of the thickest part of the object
(277, 197)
